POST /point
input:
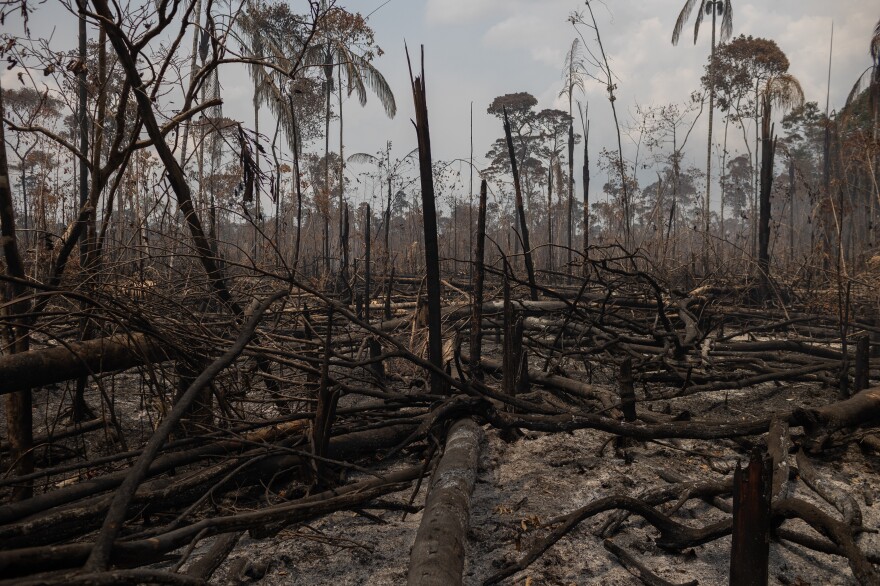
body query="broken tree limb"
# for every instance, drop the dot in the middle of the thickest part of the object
(140, 551)
(205, 566)
(638, 569)
(673, 535)
(100, 555)
(837, 531)
(12, 512)
(437, 557)
(839, 499)
(568, 385)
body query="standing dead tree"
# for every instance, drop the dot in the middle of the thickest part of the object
(520, 210)
(429, 210)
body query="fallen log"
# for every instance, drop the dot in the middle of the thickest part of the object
(38, 368)
(553, 381)
(437, 557)
(11, 512)
(860, 409)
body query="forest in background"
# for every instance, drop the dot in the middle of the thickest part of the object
(179, 285)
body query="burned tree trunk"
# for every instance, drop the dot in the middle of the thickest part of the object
(19, 414)
(437, 557)
(432, 251)
(586, 174)
(344, 287)
(367, 275)
(479, 280)
(768, 152)
(53, 365)
(570, 191)
(325, 411)
(750, 549)
(521, 212)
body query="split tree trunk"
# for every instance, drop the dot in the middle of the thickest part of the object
(768, 151)
(432, 252)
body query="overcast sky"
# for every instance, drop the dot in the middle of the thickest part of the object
(478, 49)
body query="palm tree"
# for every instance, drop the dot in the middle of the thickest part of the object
(715, 8)
(278, 38)
(340, 35)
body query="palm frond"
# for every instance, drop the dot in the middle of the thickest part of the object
(875, 44)
(862, 84)
(699, 20)
(373, 79)
(727, 22)
(683, 17)
(363, 158)
(784, 91)
(355, 81)
(572, 72)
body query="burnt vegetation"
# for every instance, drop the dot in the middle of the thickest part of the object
(208, 344)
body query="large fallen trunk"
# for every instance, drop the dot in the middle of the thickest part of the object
(54, 365)
(863, 408)
(437, 557)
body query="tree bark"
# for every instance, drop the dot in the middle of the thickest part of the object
(19, 409)
(768, 152)
(437, 557)
(476, 342)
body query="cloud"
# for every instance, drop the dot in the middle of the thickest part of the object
(458, 12)
(532, 29)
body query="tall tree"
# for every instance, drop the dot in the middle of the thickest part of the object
(573, 76)
(554, 129)
(608, 78)
(715, 8)
(743, 67)
(347, 42)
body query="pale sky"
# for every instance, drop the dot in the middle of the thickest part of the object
(478, 49)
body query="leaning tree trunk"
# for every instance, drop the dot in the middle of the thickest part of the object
(524, 228)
